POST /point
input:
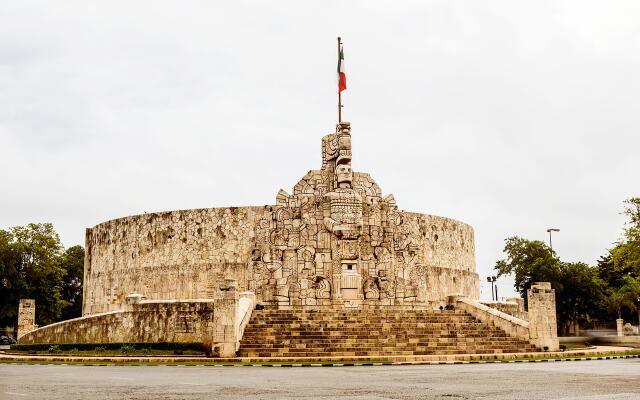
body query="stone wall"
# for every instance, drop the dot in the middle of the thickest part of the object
(216, 323)
(186, 254)
(170, 255)
(146, 322)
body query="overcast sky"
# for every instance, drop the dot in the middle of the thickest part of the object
(510, 116)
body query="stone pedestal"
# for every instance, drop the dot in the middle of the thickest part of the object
(226, 306)
(26, 316)
(620, 326)
(543, 329)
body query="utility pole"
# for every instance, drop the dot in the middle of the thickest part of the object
(492, 279)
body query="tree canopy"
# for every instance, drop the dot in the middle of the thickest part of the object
(609, 290)
(579, 289)
(34, 264)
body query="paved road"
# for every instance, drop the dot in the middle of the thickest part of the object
(609, 379)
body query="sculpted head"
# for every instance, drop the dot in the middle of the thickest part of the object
(344, 175)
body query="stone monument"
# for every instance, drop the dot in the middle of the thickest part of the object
(335, 241)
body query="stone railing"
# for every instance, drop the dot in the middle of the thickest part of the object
(217, 323)
(508, 307)
(142, 321)
(513, 326)
(246, 305)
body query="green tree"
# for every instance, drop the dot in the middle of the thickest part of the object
(579, 289)
(528, 261)
(580, 294)
(31, 267)
(619, 268)
(625, 297)
(72, 261)
(11, 283)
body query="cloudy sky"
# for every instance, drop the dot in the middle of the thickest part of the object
(511, 116)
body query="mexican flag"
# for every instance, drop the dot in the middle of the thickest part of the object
(342, 78)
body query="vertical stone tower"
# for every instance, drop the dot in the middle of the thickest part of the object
(26, 316)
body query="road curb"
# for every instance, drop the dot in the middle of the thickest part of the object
(337, 364)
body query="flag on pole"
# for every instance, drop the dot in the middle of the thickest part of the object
(342, 78)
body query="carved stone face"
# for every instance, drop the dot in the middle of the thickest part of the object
(344, 173)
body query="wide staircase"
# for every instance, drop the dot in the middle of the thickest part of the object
(375, 332)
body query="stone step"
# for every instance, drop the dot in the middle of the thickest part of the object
(505, 349)
(408, 323)
(330, 343)
(376, 353)
(380, 332)
(387, 331)
(366, 321)
(316, 347)
(456, 342)
(343, 338)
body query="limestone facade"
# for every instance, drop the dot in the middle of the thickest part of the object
(336, 240)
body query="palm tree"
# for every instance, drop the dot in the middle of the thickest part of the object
(627, 296)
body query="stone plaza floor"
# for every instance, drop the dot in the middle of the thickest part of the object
(593, 379)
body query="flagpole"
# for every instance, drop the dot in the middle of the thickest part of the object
(339, 91)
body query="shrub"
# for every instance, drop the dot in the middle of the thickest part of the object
(127, 348)
(54, 349)
(170, 346)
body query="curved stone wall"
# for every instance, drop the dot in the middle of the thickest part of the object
(187, 254)
(169, 255)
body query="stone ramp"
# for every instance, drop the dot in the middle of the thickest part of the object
(304, 332)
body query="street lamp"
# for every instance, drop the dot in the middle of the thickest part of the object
(492, 279)
(549, 231)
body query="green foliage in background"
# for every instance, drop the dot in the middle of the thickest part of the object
(609, 290)
(34, 264)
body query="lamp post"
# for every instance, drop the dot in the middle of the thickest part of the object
(549, 231)
(492, 279)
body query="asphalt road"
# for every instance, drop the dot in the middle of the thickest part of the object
(608, 379)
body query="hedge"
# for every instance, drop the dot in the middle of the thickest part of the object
(110, 346)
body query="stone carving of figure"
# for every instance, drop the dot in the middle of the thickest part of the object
(371, 289)
(344, 206)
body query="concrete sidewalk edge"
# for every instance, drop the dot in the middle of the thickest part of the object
(596, 353)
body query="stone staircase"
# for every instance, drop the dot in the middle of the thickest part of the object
(371, 333)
